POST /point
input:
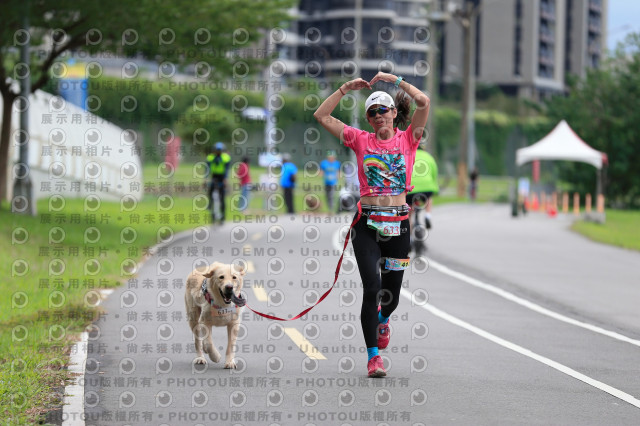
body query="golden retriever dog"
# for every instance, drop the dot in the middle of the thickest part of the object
(213, 299)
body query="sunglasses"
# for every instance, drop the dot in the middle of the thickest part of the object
(380, 110)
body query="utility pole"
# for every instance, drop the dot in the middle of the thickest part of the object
(467, 16)
(352, 180)
(22, 186)
(355, 118)
(268, 108)
(434, 19)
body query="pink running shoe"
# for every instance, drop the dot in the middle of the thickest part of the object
(376, 367)
(384, 334)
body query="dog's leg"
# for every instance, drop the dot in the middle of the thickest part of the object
(210, 348)
(232, 335)
(199, 331)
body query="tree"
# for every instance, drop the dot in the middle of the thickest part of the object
(603, 110)
(203, 33)
(202, 129)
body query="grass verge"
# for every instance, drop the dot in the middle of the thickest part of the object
(53, 264)
(621, 229)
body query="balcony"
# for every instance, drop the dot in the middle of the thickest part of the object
(546, 60)
(595, 6)
(547, 11)
(595, 26)
(547, 36)
(594, 48)
(545, 71)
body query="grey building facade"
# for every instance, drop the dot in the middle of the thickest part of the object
(526, 47)
(529, 47)
(344, 39)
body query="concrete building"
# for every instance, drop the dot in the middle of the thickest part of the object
(394, 38)
(526, 47)
(529, 47)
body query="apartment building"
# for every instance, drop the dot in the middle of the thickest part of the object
(526, 47)
(529, 47)
(343, 39)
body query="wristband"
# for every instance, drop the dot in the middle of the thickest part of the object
(398, 81)
(340, 89)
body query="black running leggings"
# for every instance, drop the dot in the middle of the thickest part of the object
(378, 284)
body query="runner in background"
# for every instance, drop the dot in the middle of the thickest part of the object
(244, 177)
(330, 168)
(288, 181)
(425, 184)
(218, 161)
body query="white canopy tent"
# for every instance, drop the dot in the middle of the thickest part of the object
(561, 144)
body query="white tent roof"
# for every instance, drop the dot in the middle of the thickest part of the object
(561, 144)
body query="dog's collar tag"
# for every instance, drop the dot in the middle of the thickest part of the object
(218, 311)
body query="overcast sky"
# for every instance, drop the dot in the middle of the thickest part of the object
(624, 18)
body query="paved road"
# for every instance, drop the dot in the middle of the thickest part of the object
(526, 323)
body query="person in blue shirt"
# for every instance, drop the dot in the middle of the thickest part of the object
(288, 181)
(330, 168)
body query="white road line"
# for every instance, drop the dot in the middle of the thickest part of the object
(528, 353)
(530, 305)
(302, 343)
(260, 294)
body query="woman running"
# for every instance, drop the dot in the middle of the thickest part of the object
(385, 161)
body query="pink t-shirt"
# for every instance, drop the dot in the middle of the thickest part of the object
(384, 167)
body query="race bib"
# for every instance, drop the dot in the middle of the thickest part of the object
(396, 264)
(386, 229)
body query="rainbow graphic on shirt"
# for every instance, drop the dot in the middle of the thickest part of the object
(386, 173)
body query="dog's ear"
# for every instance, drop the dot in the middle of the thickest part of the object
(240, 268)
(211, 270)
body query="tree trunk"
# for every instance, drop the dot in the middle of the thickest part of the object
(5, 141)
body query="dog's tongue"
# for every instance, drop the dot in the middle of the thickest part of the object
(238, 300)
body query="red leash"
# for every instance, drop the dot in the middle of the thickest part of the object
(346, 241)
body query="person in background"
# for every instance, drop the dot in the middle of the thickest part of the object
(330, 169)
(473, 180)
(244, 176)
(288, 181)
(425, 183)
(218, 161)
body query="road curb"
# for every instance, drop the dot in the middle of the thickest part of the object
(73, 402)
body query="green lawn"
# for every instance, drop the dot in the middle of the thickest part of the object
(622, 229)
(51, 264)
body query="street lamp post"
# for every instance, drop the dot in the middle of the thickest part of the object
(467, 16)
(434, 18)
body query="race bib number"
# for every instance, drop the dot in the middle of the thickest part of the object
(386, 229)
(396, 264)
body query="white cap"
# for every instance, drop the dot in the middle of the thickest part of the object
(379, 98)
